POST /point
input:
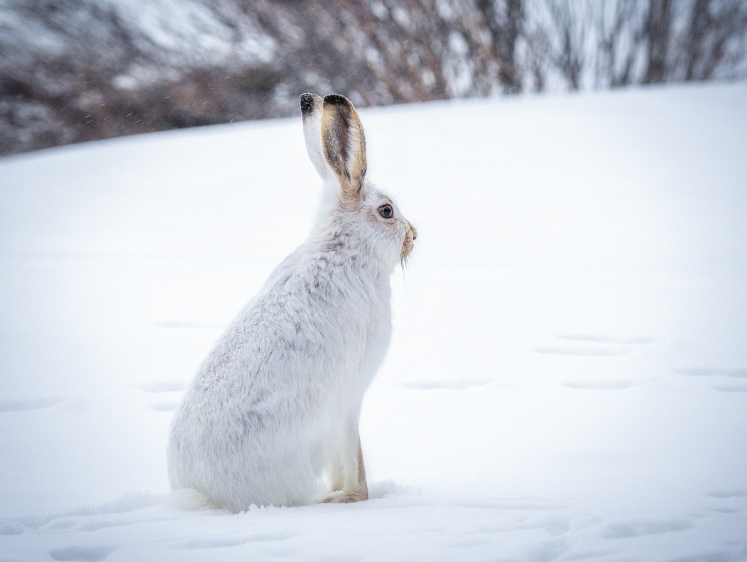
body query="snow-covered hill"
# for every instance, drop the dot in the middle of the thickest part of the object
(568, 375)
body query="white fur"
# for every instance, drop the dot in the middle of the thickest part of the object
(275, 405)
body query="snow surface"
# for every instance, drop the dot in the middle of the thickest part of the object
(568, 375)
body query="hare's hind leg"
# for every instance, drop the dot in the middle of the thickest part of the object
(354, 487)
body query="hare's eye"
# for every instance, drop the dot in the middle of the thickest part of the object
(386, 211)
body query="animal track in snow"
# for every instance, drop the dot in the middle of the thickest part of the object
(549, 550)
(638, 528)
(730, 387)
(710, 372)
(165, 387)
(29, 404)
(725, 494)
(83, 553)
(11, 527)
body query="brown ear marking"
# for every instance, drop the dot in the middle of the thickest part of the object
(344, 143)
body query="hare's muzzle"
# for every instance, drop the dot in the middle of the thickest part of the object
(411, 235)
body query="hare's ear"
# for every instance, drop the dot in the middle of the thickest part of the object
(344, 144)
(311, 112)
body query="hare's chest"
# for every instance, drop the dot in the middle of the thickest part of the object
(379, 337)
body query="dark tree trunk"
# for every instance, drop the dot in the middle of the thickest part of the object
(658, 27)
(504, 20)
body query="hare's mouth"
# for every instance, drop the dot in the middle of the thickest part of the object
(410, 237)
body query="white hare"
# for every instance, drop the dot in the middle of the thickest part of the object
(274, 408)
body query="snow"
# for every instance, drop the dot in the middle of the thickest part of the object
(568, 374)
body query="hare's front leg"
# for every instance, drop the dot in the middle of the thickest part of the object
(336, 476)
(353, 477)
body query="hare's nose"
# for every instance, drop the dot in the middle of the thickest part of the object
(414, 231)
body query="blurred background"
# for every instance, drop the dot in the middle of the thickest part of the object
(80, 70)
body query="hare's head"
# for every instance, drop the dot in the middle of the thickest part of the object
(337, 148)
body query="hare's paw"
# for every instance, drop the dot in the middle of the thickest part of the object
(343, 498)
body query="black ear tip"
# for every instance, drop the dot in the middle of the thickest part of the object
(307, 104)
(336, 99)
